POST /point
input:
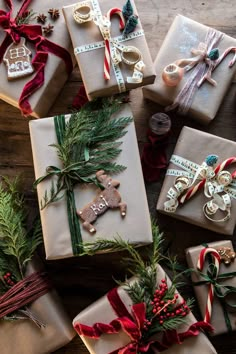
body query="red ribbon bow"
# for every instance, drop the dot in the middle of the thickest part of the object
(33, 33)
(132, 325)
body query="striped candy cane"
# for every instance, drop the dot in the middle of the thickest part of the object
(200, 265)
(107, 57)
(201, 184)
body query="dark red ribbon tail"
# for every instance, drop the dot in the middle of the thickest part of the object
(33, 85)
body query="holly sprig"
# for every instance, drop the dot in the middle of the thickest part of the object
(165, 310)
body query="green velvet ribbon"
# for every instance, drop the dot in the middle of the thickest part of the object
(67, 178)
(221, 291)
(75, 232)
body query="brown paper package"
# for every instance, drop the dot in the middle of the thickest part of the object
(101, 311)
(24, 337)
(91, 63)
(135, 227)
(55, 70)
(191, 211)
(185, 34)
(217, 318)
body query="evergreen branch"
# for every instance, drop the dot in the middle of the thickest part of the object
(15, 245)
(88, 144)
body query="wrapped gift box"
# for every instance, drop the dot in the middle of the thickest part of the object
(217, 318)
(192, 210)
(55, 70)
(185, 34)
(23, 336)
(101, 311)
(91, 62)
(135, 227)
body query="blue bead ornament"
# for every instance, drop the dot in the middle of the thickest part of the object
(214, 54)
(211, 160)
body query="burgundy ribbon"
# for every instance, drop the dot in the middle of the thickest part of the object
(133, 325)
(33, 33)
(24, 292)
(153, 157)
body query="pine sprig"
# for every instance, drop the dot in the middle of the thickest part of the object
(89, 143)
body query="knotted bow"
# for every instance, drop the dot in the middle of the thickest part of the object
(206, 58)
(33, 33)
(133, 324)
(212, 277)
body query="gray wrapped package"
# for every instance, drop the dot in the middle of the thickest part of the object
(185, 34)
(89, 51)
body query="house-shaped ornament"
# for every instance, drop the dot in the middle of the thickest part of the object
(18, 60)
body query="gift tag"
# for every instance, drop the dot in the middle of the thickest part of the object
(18, 60)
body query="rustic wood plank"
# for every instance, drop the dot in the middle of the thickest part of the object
(81, 281)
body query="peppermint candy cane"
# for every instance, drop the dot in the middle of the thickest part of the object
(200, 265)
(107, 57)
(201, 184)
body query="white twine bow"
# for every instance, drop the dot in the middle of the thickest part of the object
(114, 51)
(218, 187)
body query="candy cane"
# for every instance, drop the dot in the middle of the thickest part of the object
(117, 11)
(199, 185)
(200, 265)
(226, 52)
(107, 58)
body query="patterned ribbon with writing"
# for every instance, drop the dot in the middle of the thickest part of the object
(115, 51)
(219, 186)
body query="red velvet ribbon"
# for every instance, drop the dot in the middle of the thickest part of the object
(33, 33)
(133, 325)
(153, 157)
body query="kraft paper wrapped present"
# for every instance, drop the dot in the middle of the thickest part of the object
(90, 52)
(184, 35)
(217, 318)
(135, 226)
(213, 206)
(56, 71)
(24, 336)
(102, 312)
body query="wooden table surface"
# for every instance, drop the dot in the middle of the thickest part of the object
(83, 280)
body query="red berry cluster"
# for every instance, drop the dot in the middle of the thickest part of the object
(165, 309)
(8, 279)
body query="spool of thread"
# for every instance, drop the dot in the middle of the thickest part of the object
(160, 124)
(172, 74)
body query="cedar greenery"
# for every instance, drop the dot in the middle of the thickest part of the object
(17, 246)
(89, 144)
(144, 288)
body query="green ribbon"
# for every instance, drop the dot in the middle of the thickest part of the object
(75, 232)
(67, 178)
(220, 291)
